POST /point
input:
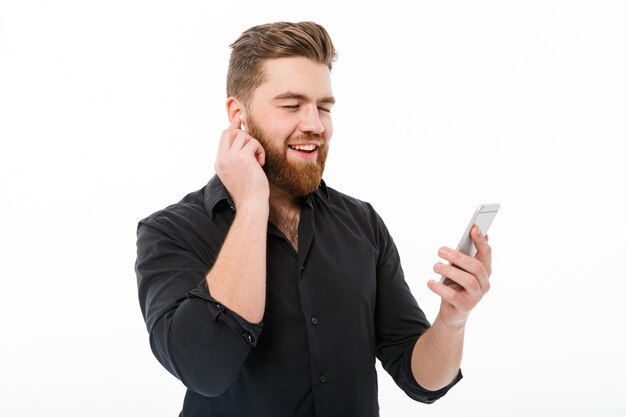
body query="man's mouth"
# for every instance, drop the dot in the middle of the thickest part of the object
(303, 148)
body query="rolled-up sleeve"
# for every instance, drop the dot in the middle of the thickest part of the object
(399, 321)
(193, 336)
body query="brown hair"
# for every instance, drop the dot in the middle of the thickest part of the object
(274, 40)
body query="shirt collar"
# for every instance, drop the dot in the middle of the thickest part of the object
(322, 189)
(215, 193)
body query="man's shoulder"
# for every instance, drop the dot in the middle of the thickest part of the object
(190, 209)
(347, 206)
(342, 200)
(356, 214)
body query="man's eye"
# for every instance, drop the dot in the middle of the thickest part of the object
(324, 109)
(292, 107)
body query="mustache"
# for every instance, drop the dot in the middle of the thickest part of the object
(301, 137)
(305, 137)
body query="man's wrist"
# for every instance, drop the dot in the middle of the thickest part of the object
(255, 207)
(447, 327)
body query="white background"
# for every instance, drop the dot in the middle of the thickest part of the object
(111, 110)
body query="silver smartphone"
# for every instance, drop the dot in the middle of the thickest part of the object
(483, 216)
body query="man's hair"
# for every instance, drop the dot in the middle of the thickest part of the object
(269, 41)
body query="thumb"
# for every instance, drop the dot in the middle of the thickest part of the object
(483, 250)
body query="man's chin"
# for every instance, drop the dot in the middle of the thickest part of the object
(295, 174)
(297, 188)
(299, 191)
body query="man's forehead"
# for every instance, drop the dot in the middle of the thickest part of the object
(296, 76)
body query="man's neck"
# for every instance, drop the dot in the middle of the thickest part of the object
(282, 202)
(285, 213)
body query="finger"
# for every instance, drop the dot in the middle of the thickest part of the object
(467, 264)
(458, 258)
(448, 294)
(229, 135)
(235, 123)
(227, 139)
(467, 281)
(254, 146)
(240, 141)
(260, 156)
(483, 250)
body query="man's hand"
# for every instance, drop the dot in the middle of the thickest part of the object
(239, 163)
(468, 280)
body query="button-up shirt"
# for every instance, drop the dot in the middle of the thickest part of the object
(332, 307)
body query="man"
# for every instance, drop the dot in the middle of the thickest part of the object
(268, 293)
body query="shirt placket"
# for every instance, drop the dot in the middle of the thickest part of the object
(319, 376)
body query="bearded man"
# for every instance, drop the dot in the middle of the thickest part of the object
(267, 292)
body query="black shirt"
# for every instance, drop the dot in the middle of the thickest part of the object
(332, 308)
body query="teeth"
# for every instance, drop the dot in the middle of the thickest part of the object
(307, 148)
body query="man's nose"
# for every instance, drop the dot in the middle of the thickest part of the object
(311, 122)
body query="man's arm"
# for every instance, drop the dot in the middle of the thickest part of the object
(437, 355)
(399, 321)
(243, 254)
(237, 279)
(193, 336)
(202, 333)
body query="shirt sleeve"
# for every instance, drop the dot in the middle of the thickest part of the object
(193, 336)
(399, 321)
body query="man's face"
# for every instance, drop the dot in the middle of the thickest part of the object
(289, 114)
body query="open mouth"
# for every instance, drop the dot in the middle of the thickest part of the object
(303, 148)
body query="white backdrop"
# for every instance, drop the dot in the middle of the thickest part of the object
(112, 109)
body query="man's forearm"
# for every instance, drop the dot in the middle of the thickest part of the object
(437, 356)
(237, 278)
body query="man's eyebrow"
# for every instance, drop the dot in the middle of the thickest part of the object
(302, 97)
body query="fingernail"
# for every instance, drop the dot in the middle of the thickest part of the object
(444, 251)
(478, 231)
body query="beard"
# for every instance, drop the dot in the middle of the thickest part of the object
(298, 178)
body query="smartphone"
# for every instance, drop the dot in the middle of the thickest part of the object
(483, 216)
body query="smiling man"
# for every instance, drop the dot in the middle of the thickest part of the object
(268, 293)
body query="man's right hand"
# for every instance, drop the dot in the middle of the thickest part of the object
(239, 162)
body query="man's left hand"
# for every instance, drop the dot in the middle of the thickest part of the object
(467, 280)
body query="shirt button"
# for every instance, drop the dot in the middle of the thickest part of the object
(249, 337)
(314, 320)
(323, 379)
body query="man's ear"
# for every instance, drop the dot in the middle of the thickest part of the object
(235, 108)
